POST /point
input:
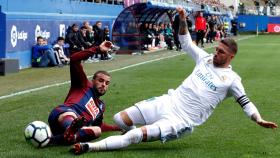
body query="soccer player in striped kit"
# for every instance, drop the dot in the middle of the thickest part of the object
(80, 118)
(180, 110)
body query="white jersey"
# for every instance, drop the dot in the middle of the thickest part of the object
(199, 94)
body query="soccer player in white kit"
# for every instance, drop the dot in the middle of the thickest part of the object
(178, 112)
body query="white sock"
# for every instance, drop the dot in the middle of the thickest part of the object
(117, 142)
(109, 143)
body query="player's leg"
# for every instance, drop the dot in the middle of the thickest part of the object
(65, 119)
(59, 120)
(64, 125)
(142, 113)
(88, 133)
(71, 124)
(128, 118)
(134, 136)
(74, 130)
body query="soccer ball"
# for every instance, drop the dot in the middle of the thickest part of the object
(38, 133)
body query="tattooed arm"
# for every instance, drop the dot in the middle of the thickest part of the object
(183, 25)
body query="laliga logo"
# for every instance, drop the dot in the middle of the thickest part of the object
(15, 35)
(276, 28)
(44, 33)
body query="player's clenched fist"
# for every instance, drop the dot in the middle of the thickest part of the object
(181, 11)
(105, 46)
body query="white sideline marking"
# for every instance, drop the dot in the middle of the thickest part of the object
(119, 69)
(66, 82)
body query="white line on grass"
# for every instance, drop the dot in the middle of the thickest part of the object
(119, 69)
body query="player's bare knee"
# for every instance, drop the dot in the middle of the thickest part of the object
(97, 131)
(61, 116)
(122, 119)
(126, 119)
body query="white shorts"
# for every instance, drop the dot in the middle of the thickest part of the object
(160, 111)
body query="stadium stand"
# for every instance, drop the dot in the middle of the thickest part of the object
(25, 21)
(260, 7)
(24, 24)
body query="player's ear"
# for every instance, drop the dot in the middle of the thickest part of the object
(232, 56)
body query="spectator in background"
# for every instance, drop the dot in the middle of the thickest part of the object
(86, 24)
(168, 35)
(234, 26)
(151, 37)
(161, 28)
(89, 32)
(90, 35)
(157, 34)
(212, 23)
(73, 38)
(146, 37)
(61, 52)
(42, 54)
(84, 38)
(106, 34)
(200, 28)
(160, 32)
(106, 37)
(226, 28)
(220, 33)
(98, 35)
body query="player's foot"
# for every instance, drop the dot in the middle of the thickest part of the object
(70, 133)
(79, 148)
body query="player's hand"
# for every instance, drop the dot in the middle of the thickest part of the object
(105, 46)
(267, 124)
(182, 12)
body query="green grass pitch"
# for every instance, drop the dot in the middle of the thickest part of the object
(228, 132)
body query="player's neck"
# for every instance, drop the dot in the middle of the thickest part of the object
(222, 65)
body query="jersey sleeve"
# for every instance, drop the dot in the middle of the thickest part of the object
(193, 50)
(238, 92)
(236, 89)
(77, 74)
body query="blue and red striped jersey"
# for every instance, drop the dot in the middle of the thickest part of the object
(82, 96)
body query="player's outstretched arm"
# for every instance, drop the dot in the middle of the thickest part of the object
(237, 90)
(183, 25)
(106, 46)
(250, 109)
(78, 76)
(185, 39)
(266, 124)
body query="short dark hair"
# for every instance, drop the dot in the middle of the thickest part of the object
(60, 38)
(100, 72)
(231, 44)
(39, 37)
(75, 25)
